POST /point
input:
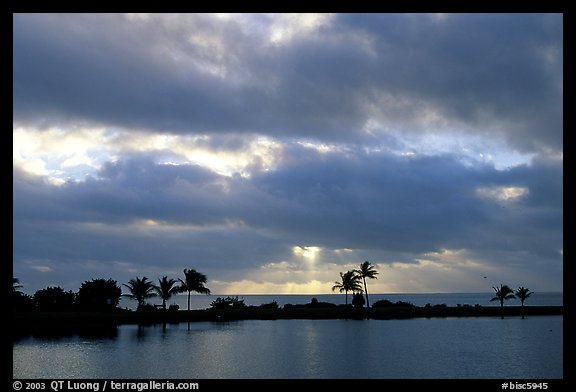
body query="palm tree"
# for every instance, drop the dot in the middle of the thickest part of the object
(166, 288)
(193, 281)
(367, 271)
(349, 281)
(16, 285)
(523, 293)
(140, 290)
(503, 293)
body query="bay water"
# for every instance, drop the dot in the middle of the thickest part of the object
(420, 348)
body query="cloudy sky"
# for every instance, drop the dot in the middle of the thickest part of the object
(271, 152)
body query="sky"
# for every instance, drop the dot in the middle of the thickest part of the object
(273, 151)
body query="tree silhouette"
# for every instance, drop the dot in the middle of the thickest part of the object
(522, 294)
(349, 281)
(54, 299)
(503, 293)
(193, 281)
(166, 288)
(20, 300)
(140, 290)
(16, 286)
(367, 271)
(98, 294)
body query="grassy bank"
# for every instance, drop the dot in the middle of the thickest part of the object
(31, 321)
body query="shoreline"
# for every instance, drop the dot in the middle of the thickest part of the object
(24, 322)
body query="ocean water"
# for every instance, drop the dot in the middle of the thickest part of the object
(437, 348)
(198, 301)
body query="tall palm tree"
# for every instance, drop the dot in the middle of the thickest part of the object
(193, 281)
(166, 288)
(140, 290)
(523, 293)
(349, 281)
(503, 293)
(367, 271)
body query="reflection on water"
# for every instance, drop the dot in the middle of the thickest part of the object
(65, 333)
(415, 348)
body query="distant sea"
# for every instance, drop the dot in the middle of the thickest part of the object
(198, 301)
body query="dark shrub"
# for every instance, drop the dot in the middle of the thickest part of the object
(314, 303)
(358, 300)
(22, 302)
(98, 294)
(54, 299)
(271, 305)
(228, 303)
(147, 308)
(403, 304)
(383, 303)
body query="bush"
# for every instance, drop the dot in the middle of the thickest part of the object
(228, 303)
(147, 307)
(173, 307)
(358, 300)
(22, 302)
(54, 299)
(98, 294)
(384, 303)
(271, 305)
(314, 303)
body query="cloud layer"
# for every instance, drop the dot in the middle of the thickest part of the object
(272, 151)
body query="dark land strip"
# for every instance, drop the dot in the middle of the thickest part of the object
(24, 322)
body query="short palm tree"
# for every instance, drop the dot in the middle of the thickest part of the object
(16, 285)
(166, 288)
(349, 281)
(193, 281)
(367, 271)
(503, 293)
(522, 294)
(140, 290)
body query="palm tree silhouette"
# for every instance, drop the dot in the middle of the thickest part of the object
(523, 293)
(16, 285)
(166, 288)
(349, 281)
(193, 281)
(140, 290)
(503, 293)
(367, 271)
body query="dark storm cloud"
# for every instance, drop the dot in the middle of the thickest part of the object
(192, 73)
(333, 200)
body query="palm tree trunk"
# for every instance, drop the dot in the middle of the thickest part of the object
(346, 297)
(366, 291)
(188, 300)
(163, 304)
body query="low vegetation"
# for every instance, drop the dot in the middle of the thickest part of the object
(96, 302)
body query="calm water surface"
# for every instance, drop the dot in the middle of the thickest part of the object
(420, 348)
